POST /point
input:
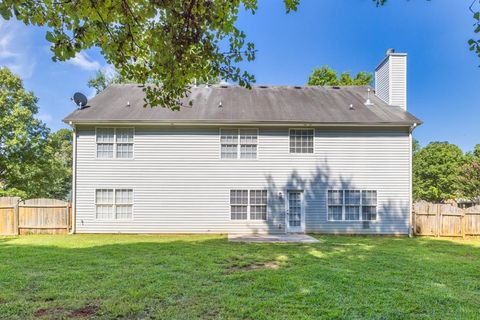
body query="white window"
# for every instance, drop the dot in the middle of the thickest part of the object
(238, 204)
(248, 143)
(229, 142)
(335, 204)
(258, 204)
(124, 140)
(301, 140)
(114, 203)
(104, 202)
(115, 143)
(238, 143)
(105, 142)
(352, 205)
(248, 205)
(369, 205)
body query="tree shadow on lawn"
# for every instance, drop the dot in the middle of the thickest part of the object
(208, 277)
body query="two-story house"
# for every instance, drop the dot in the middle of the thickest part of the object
(271, 159)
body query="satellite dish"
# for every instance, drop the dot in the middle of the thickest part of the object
(80, 99)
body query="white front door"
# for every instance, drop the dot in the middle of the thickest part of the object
(295, 213)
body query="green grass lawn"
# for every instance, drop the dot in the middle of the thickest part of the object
(204, 276)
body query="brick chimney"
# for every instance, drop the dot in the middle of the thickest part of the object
(391, 79)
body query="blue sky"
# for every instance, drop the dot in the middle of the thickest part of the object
(348, 35)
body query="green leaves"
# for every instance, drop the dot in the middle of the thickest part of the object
(325, 76)
(33, 162)
(436, 172)
(166, 43)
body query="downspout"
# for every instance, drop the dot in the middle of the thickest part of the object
(410, 184)
(74, 180)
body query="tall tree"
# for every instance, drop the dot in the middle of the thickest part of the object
(325, 76)
(436, 171)
(470, 175)
(33, 163)
(57, 164)
(22, 136)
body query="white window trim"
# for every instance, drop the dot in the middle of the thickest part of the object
(114, 143)
(114, 204)
(300, 153)
(248, 204)
(238, 144)
(344, 206)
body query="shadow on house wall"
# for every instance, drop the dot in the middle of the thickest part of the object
(392, 214)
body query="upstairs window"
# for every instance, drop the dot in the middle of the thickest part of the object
(105, 142)
(352, 205)
(114, 143)
(238, 143)
(301, 140)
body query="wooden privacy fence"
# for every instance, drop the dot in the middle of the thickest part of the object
(49, 216)
(444, 220)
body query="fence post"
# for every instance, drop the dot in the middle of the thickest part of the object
(414, 222)
(68, 213)
(464, 226)
(16, 218)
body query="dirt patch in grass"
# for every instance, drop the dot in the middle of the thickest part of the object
(51, 313)
(60, 313)
(87, 311)
(273, 265)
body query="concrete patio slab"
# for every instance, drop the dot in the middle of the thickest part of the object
(272, 238)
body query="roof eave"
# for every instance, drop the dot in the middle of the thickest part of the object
(244, 122)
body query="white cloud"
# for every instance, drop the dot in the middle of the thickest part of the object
(83, 61)
(15, 44)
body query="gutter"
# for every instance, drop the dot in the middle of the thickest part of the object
(74, 180)
(410, 184)
(244, 123)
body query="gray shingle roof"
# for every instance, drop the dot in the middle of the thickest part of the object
(261, 104)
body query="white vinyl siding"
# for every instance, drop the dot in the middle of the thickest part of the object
(301, 140)
(238, 143)
(115, 143)
(114, 203)
(346, 205)
(391, 80)
(181, 185)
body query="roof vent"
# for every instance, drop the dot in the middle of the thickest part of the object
(351, 107)
(224, 86)
(368, 103)
(220, 105)
(297, 87)
(128, 103)
(336, 87)
(263, 87)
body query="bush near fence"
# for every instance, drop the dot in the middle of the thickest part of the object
(445, 220)
(45, 216)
